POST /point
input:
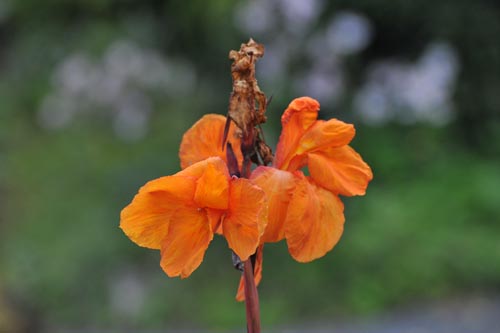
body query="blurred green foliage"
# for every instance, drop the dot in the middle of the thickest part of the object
(428, 227)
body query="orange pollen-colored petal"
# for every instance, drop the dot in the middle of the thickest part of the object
(212, 188)
(246, 219)
(296, 120)
(340, 170)
(204, 140)
(184, 247)
(145, 220)
(314, 221)
(278, 186)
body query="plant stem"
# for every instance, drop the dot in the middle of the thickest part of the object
(251, 293)
(251, 299)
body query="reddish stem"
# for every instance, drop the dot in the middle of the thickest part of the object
(251, 299)
(251, 294)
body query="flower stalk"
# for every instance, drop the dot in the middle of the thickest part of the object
(247, 107)
(251, 299)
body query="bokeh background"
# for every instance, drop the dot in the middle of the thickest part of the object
(96, 94)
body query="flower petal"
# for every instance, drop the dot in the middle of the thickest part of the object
(189, 234)
(212, 179)
(257, 273)
(340, 170)
(296, 120)
(324, 134)
(246, 219)
(314, 222)
(197, 169)
(145, 220)
(215, 218)
(278, 186)
(204, 139)
(212, 188)
(320, 136)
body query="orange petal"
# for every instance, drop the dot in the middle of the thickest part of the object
(189, 234)
(296, 120)
(246, 219)
(212, 187)
(340, 170)
(215, 217)
(204, 139)
(145, 220)
(197, 169)
(314, 222)
(320, 136)
(240, 294)
(278, 186)
(325, 134)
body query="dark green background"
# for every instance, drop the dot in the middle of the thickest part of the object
(428, 228)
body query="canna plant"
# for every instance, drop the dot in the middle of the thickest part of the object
(219, 192)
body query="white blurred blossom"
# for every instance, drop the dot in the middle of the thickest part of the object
(261, 16)
(348, 33)
(56, 111)
(300, 14)
(74, 75)
(409, 93)
(117, 85)
(131, 120)
(323, 84)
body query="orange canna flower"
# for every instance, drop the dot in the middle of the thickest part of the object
(179, 215)
(306, 211)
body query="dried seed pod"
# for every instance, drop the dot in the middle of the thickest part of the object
(247, 103)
